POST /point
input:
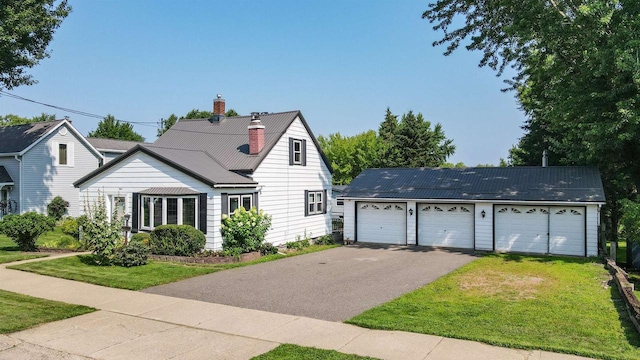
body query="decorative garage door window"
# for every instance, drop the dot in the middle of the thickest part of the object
(530, 211)
(503, 210)
(364, 207)
(572, 212)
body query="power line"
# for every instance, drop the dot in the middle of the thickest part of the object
(77, 112)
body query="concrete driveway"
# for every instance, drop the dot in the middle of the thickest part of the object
(334, 284)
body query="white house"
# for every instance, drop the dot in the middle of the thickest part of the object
(201, 169)
(540, 210)
(40, 161)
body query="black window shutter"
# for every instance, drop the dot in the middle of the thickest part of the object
(135, 215)
(224, 203)
(255, 200)
(306, 203)
(290, 151)
(202, 212)
(304, 152)
(326, 201)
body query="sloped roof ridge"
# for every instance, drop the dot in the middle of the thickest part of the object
(243, 116)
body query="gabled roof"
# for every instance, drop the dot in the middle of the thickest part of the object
(195, 163)
(227, 140)
(112, 145)
(553, 183)
(16, 138)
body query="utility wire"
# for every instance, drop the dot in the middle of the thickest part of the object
(77, 112)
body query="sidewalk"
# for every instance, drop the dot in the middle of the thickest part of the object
(136, 325)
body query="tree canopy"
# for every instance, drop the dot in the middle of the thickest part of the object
(11, 119)
(410, 142)
(167, 123)
(26, 29)
(110, 128)
(577, 78)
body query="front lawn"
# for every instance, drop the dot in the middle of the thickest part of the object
(295, 352)
(81, 268)
(549, 303)
(9, 251)
(19, 312)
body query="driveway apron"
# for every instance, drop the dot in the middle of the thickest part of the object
(334, 285)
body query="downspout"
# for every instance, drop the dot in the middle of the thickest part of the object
(19, 159)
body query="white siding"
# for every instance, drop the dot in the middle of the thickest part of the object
(283, 187)
(150, 172)
(108, 156)
(411, 223)
(592, 230)
(483, 227)
(349, 225)
(43, 179)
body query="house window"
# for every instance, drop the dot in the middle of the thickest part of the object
(163, 210)
(62, 154)
(297, 152)
(315, 202)
(117, 206)
(235, 201)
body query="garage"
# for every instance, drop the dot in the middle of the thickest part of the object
(446, 225)
(384, 223)
(558, 230)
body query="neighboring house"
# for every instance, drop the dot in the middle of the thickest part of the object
(111, 148)
(337, 202)
(203, 168)
(40, 161)
(541, 210)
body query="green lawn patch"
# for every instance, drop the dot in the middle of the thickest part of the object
(19, 312)
(9, 251)
(548, 303)
(82, 268)
(295, 352)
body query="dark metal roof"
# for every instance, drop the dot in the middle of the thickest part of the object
(198, 164)
(5, 178)
(553, 183)
(15, 138)
(227, 140)
(168, 191)
(112, 144)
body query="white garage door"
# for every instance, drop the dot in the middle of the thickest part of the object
(566, 234)
(384, 223)
(522, 228)
(445, 225)
(558, 230)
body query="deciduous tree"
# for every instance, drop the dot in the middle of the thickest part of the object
(110, 128)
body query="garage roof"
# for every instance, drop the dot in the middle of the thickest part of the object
(521, 183)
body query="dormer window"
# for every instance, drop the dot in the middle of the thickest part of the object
(297, 152)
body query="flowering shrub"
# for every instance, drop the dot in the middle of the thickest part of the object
(244, 231)
(102, 236)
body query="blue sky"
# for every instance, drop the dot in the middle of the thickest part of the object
(342, 63)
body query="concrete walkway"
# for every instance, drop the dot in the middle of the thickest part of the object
(136, 325)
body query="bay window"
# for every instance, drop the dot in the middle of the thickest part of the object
(163, 210)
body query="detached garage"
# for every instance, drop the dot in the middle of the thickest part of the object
(538, 210)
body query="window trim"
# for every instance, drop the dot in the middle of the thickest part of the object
(240, 198)
(297, 152)
(66, 154)
(180, 207)
(322, 194)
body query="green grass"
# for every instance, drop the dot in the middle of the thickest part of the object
(19, 312)
(9, 251)
(295, 352)
(549, 303)
(81, 268)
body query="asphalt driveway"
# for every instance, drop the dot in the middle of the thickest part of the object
(334, 284)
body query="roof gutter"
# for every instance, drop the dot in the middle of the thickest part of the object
(467, 201)
(218, 186)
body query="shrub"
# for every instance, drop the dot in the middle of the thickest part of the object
(244, 231)
(70, 227)
(101, 235)
(268, 249)
(141, 237)
(630, 220)
(62, 242)
(57, 208)
(179, 240)
(134, 253)
(25, 229)
(324, 240)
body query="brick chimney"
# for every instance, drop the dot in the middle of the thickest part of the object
(218, 105)
(256, 134)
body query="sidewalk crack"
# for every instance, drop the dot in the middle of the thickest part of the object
(430, 351)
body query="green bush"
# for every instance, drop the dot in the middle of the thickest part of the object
(134, 253)
(99, 234)
(62, 242)
(70, 227)
(630, 220)
(141, 237)
(57, 208)
(268, 249)
(179, 240)
(244, 231)
(25, 229)
(324, 240)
